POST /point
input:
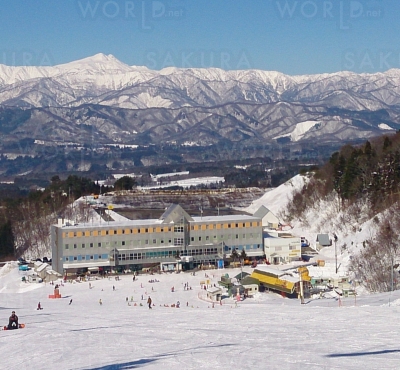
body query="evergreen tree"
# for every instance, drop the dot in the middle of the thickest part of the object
(6, 240)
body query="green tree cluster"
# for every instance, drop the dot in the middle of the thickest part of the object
(371, 170)
(6, 240)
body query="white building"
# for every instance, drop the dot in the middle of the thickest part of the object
(268, 219)
(281, 247)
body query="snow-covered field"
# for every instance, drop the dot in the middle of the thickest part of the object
(267, 332)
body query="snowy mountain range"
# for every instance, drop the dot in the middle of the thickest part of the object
(104, 100)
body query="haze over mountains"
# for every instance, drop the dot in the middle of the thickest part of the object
(100, 99)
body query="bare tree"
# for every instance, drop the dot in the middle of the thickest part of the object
(374, 265)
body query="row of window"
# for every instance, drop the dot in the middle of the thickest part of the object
(200, 252)
(174, 241)
(225, 226)
(145, 255)
(241, 247)
(145, 230)
(291, 247)
(93, 257)
(222, 237)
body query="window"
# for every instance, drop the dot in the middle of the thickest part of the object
(146, 242)
(154, 241)
(199, 238)
(83, 258)
(91, 245)
(83, 245)
(178, 229)
(123, 231)
(162, 241)
(236, 225)
(91, 257)
(123, 242)
(237, 236)
(207, 237)
(67, 258)
(66, 246)
(146, 230)
(106, 232)
(178, 241)
(192, 239)
(75, 246)
(229, 226)
(99, 245)
(75, 258)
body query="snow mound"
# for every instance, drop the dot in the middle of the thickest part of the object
(276, 200)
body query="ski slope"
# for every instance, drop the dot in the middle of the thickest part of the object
(267, 332)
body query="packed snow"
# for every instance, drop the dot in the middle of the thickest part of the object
(265, 332)
(300, 129)
(384, 126)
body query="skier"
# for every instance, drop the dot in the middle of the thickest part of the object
(100, 302)
(39, 307)
(13, 321)
(70, 301)
(149, 302)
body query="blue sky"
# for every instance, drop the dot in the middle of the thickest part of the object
(293, 37)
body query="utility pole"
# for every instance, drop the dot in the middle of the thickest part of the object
(336, 258)
(301, 286)
(336, 266)
(391, 277)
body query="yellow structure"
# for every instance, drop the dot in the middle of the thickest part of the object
(275, 279)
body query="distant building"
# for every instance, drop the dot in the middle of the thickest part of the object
(323, 241)
(129, 243)
(268, 219)
(281, 247)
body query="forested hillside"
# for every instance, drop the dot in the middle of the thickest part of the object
(359, 188)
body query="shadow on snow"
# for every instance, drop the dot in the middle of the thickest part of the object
(143, 361)
(354, 354)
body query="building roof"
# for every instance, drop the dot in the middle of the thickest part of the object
(270, 271)
(225, 218)
(42, 267)
(323, 239)
(261, 212)
(248, 280)
(241, 275)
(175, 213)
(214, 290)
(86, 264)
